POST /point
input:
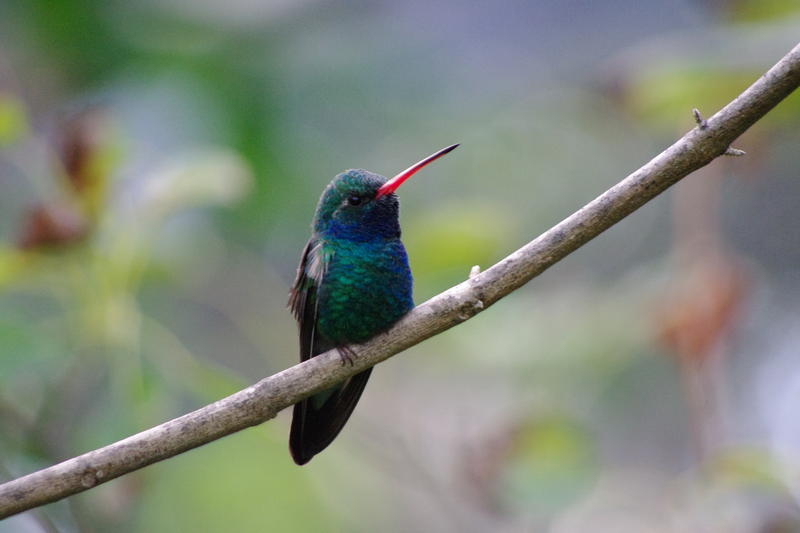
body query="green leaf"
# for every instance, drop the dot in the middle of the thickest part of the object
(13, 119)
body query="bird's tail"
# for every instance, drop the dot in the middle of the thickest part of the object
(317, 420)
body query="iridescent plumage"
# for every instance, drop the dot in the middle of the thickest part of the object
(352, 283)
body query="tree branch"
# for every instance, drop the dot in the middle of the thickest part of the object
(262, 401)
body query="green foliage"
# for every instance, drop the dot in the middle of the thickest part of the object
(13, 120)
(146, 274)
(550, 465)
(256, 490)
(763, 10)
(444, 242)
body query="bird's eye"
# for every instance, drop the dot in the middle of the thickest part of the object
(354, 200)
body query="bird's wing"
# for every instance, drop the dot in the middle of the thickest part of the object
(303, 297)
(317, 420)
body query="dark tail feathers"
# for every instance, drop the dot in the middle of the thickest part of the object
(313, 429)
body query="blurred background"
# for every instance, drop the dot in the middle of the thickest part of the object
(160, 162)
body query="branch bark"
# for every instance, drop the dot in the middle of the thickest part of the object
(262, 401)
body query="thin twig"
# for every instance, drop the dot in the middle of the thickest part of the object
(701, 122)
(735, 152)
(262, 401)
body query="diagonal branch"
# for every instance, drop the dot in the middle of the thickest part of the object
(262, 401)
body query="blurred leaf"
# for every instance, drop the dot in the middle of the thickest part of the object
(551, 462)
(89, 152)
(23, 347)
(706, 72)
(761, 10)
(701, 306)
(217, 487)
(13, 262)
(51, 225)
(750, 466)
(203, 177)
(444, 243)
(180, 368)
(13, 121)
(666, 95)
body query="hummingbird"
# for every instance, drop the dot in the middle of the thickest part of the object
(352, 283)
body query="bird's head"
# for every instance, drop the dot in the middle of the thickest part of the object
(359, 205)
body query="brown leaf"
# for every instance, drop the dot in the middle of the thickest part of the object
(81, 139)
(701, 309)
(50, 225)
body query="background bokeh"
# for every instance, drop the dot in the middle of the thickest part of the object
(160, 162)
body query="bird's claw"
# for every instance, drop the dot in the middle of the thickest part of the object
(346, 354)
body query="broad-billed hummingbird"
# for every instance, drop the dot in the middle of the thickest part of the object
(352, 283)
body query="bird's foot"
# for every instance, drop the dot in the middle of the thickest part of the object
(346, 354)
